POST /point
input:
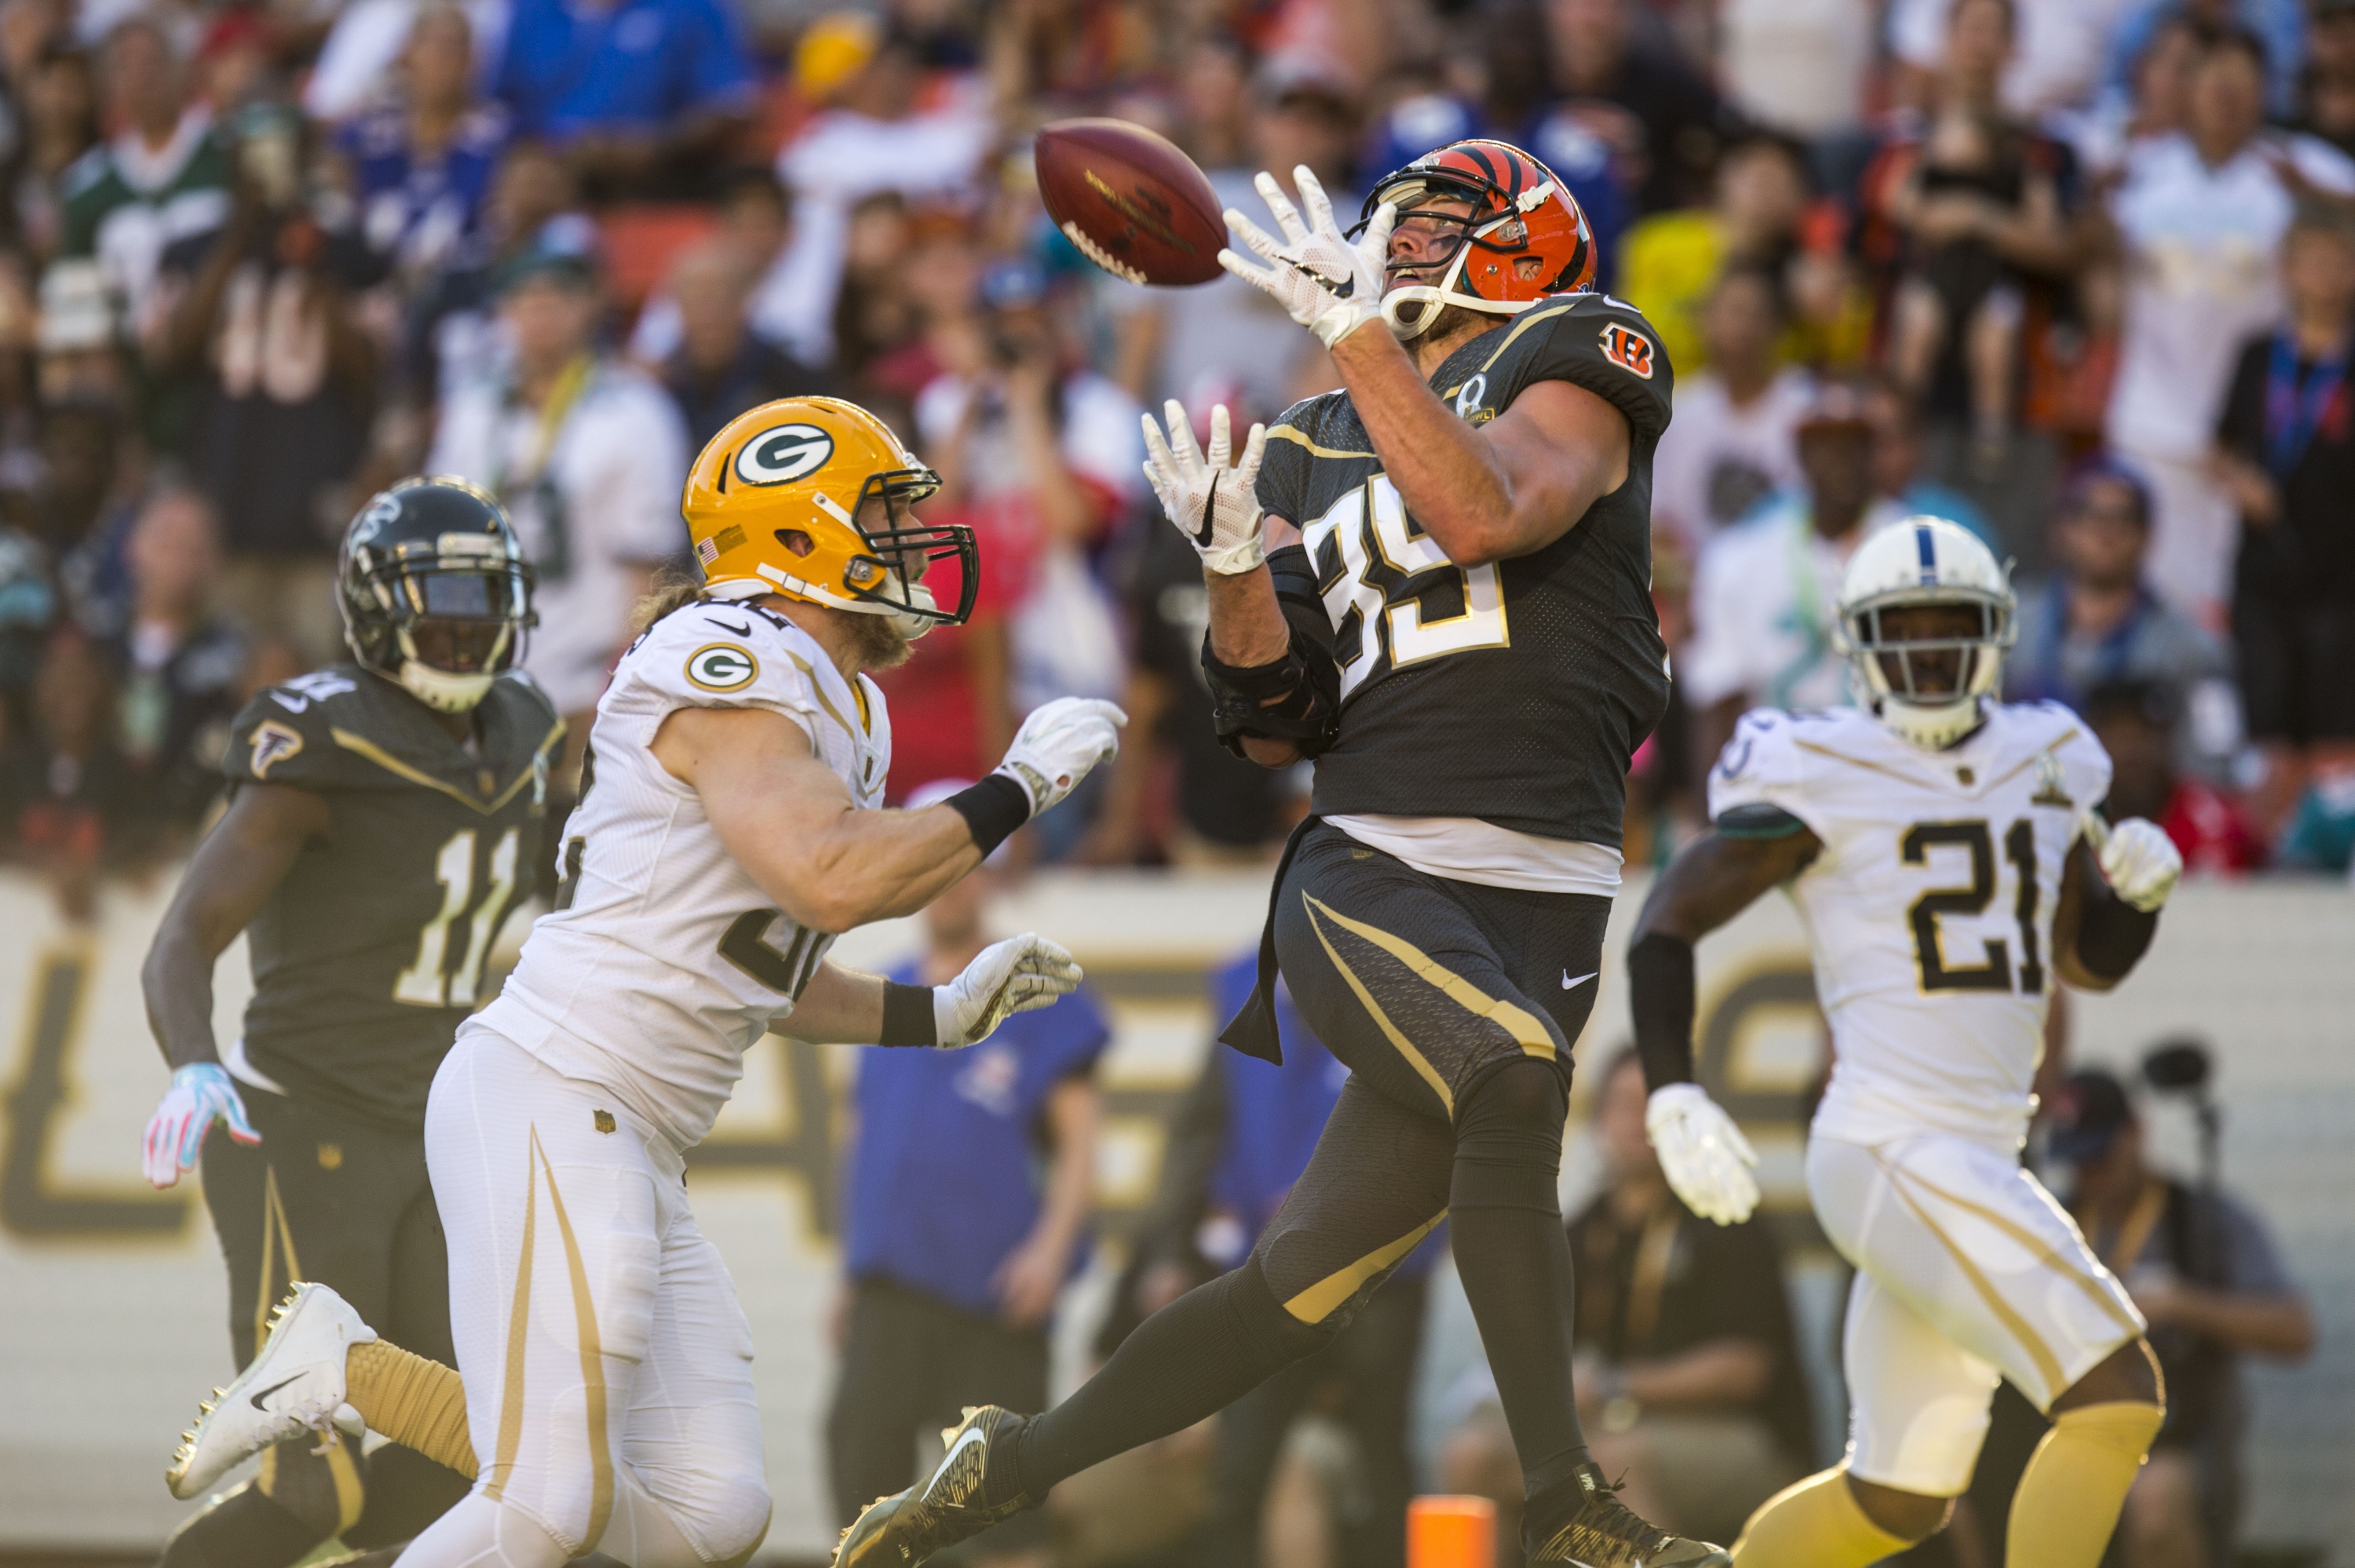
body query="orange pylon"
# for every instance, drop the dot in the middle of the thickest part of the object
(1451, 1533)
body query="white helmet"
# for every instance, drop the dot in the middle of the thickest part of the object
(1924, 561)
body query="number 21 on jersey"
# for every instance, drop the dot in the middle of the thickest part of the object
(1376, 569)
(1994, 971)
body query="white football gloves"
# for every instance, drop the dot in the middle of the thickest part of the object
(200, 1093)
(1057, 744)
(1704, 1156)
(1215, 507)
(1324, 282)
(2137, 859)
(1010, 977)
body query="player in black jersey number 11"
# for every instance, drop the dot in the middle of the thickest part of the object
(1434, 584)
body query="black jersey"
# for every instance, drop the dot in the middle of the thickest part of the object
(1516, 691)
(371, 951)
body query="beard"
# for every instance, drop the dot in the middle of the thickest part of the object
(1454, 319)
(877, 644)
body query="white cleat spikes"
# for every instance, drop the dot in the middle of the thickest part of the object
(294, 1384)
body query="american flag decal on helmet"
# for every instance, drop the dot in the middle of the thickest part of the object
(707, 551)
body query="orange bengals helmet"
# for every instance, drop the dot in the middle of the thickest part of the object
(1520, 214)
(774, 504)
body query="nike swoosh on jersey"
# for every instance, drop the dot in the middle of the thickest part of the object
(292, 705)
(739, 630)
(1570, 984)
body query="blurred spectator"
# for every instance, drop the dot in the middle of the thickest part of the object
(80, 354)
(2321, 831)
(2138, 723)
(453, 334)
(421, 161)
(1044, 455)
(755, 222)
(1612, 67)
(1688, 1379)
(162, 176)
(1803, 69)
(266, 333)
(1764, 590)
(1976, 197)
(2203, 1269)
(2094, 621)
(2327, 109)
(720, 369)
(363, 49)
(58, 98)
(589, 456)
(179, 669)
(2278, 26)
(1670, 262)
(1898, 470)
(637, 92)
(874, 135)
(1221, 809)
(2286, 453)
(29, 608)
(1311, 1466)
(68, 804)
(968, 1188)
(2200, 217)
(1734, 440)
(2155, 105)
(2058, 56)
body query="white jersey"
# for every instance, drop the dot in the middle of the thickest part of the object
(665, 961)
(1930, 909)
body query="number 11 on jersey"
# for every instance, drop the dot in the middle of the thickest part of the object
(426, 982)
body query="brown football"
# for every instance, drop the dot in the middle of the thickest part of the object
(1132, 203)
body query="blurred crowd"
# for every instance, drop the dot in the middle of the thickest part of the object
(2078, 273)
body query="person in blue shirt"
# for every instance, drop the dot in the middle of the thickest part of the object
(1242, 1139)
(967, 1187)
(421, 161)
(636, 90)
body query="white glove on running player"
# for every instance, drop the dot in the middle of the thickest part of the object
(1215, 507)
(1324, 282)
(2137, 859)
(1010, 977)
(1702, 1153)
(200, 1092)
(1057, 744)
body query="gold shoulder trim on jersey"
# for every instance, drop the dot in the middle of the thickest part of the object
(1853, 762)
(1333, 1292)
(817, 689)
(1529, 319)
(365, 747)
(1288, 433)
(2031, 760)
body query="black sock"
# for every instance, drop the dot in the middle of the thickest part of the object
(244, 1530)
(1192, 1358)
(1513, 1256)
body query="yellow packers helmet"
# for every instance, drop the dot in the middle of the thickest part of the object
(774, 505)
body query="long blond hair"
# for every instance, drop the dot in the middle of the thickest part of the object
(672, 590)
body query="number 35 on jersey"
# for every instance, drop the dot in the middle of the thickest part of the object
(1394, 597)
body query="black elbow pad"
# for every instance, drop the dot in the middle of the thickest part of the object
(2113, 936)
(1295, 698)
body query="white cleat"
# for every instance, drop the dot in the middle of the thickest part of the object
(294, 1384)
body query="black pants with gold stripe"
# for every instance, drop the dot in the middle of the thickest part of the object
(1454, 1007)
(328, 1198)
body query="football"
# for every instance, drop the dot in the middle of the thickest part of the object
(1130, 201)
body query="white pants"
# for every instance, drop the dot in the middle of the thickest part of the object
(608, 1366)
(1966, 1271)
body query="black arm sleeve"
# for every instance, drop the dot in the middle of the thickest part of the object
(2113, 935)
(1661, 985)
(1295, 698)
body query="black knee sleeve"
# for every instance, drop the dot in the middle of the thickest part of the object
(1277, 1338)
(1508, 1139)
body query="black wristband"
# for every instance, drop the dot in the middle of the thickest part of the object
(991, 810)
(2113, 935)
(1660, 995)
(907, 1018)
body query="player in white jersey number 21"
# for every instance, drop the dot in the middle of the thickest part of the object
(729, 828)
(1945, 854)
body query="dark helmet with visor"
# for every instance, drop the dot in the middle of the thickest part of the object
(435, 590)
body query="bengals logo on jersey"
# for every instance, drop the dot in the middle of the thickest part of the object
(1628, 349)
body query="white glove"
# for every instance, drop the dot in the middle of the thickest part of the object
(1057, 744)
(2137, 859)
(1215, 507)
(1010, 977)
(1324, 282)
(1702, 1153)
(200, 1092)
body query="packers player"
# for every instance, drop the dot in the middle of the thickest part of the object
(728, 828)
(1435, 583)
(383, 818)
(1944, 851)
